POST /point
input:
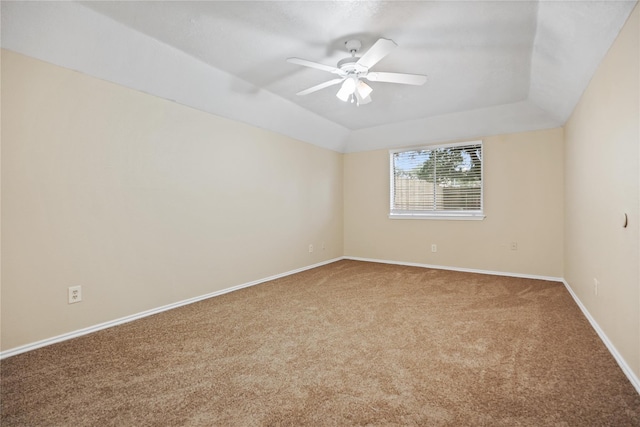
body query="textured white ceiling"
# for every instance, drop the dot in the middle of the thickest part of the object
(492, 66)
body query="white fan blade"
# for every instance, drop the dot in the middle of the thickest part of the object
(379, 50)
(316, 65)
(406, 79)
(320, 86)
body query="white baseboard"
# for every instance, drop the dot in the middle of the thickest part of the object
(605, 339)
(80, 332)
(126, 319)
(465, 270)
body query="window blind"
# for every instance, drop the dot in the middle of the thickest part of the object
(443, 180)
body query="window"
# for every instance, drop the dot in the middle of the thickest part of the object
(442, 182)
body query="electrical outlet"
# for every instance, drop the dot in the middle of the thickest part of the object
(310, 248)
(434, 248)
(75, 294)
(596, 283)
(514, 246)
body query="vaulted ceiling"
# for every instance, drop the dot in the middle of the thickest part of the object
(493, 66)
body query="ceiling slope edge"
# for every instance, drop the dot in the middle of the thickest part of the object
(70, 35)
(562, 65)
(501, 119)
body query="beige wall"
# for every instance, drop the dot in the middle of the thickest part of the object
(523, 193)
(143, 202)
(602, 176)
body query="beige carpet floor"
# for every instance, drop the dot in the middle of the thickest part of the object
(350, 343)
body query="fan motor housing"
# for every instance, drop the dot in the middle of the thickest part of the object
(347, 64)
(350, 65)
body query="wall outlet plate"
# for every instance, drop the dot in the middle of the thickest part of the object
(75, 294)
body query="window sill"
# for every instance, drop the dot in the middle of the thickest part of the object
(443, 216)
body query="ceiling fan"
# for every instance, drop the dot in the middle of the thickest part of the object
(351, 72)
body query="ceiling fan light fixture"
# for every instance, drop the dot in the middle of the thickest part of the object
(361, 100)
(346, 90)
(364, 90)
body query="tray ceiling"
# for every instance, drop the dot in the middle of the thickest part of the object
(492, 67)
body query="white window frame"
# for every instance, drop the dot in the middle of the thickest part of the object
(443, 214)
